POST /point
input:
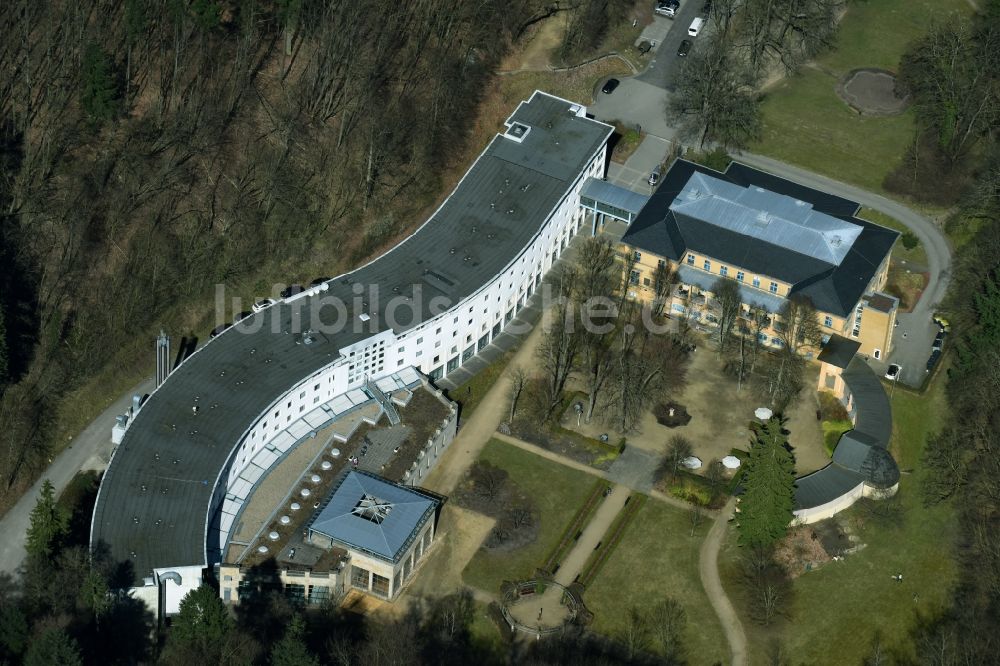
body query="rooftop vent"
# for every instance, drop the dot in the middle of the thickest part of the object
(517, 132)
(372, 508)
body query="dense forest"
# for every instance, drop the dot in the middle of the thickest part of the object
(150, 149)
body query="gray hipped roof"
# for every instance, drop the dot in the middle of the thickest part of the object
(749, 295)
(388, 538)
(838, 351)
(766, 225)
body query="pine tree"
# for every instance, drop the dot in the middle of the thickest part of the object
(203, 620)
(291, 650)
(49, 524)
(53, 646)
(766, 506)
(99, 90)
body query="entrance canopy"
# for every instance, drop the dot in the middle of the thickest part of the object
(617, 202)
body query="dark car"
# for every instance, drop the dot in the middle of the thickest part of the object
(610, 86)
(706, 9)
(938, 341)
(291, 290)
(219, 329)
(318, 281)
(684, 48)
(932, 361)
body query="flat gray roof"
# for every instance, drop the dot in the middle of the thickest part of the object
(152, 507)
(613, 195)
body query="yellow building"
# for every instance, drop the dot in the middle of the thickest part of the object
(777, 240)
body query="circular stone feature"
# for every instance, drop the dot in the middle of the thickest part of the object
(284, 520)
(305, 492)
(295, 506)
(873, 92)
(315, 478)
(325, 465)
(335, 453)
(273, 536)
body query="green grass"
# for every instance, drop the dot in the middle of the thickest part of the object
(657, 558)
(832, 430)
(837, 609)
(917, 256)
(805, 123)
(557, 493)
(484, 632)
(472, 392)
(612, 537)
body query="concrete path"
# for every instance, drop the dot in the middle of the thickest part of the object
(587, 469)
(572, 565)
(708, 568)
(90, 450)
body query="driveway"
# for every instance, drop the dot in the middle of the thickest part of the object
(662, 70)
(91, 449)
(635, 102)
(634, 174)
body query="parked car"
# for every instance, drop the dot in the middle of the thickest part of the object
(654, 177)
(932, 361)
(218, 330)
(291, 290)
(696, 26)
(609, 86)
(706, 9)
(684, 48)
(892, 374)
(938, 341)
(318, 281)
(262, 304)
(667, 8)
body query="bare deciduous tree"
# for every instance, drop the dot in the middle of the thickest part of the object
(518, 378)
(727, 302)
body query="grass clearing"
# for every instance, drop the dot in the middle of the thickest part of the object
(469, 394)
(916, 256)
(806, 123)
(658, 558)
(557, 492)
(832, 430)
(859, 592)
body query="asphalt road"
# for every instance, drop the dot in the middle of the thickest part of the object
(91, 449)
(662, 70)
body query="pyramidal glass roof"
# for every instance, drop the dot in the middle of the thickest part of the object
(373, 514)
(768, 216)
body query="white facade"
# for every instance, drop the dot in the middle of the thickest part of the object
(436, 347)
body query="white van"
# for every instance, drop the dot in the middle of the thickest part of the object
(696, 26)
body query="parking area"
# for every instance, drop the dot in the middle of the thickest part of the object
(668, 34)
(911, 346)
(634, 174)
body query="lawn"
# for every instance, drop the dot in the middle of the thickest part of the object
(658, 558)
(837, 609)
(916, 256)
(805, 123)
(471, 393)
(557, 493)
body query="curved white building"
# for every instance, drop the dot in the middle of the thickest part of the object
(192, 454)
